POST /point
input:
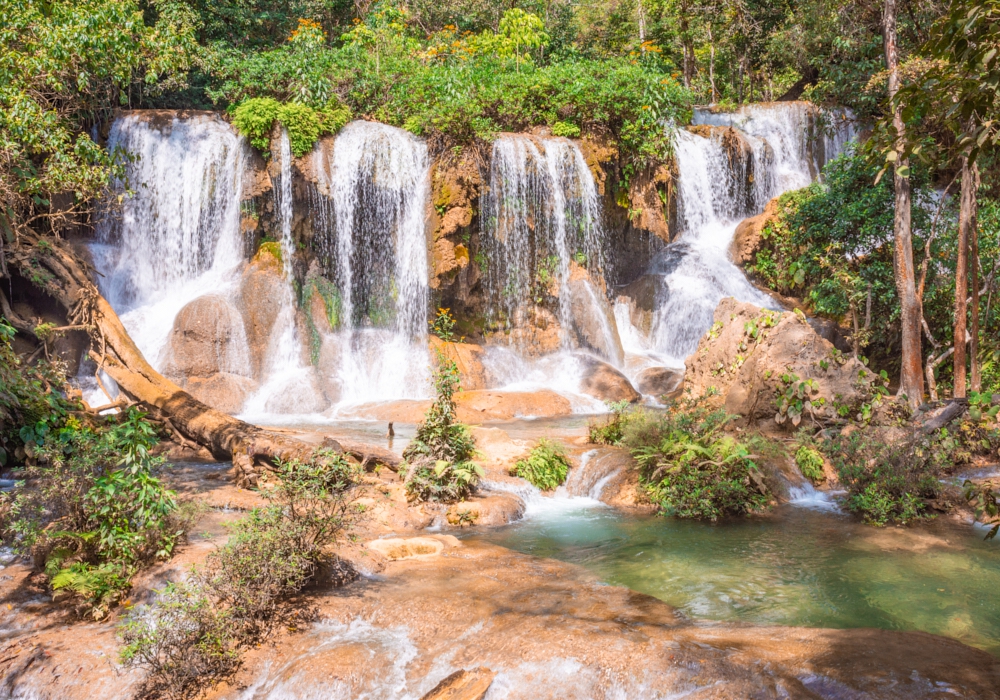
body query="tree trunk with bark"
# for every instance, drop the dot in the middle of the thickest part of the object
(975, 377)
(55, 269)
(962, 283)
(911, 381)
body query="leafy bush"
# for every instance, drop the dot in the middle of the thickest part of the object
(464, 87)
(570, 131)
(92, 512)
(29, 409)
(810, 463)
(545, 467)
(255, 117)
(611, 431)
(197, 630)
(439, 457)
(275, 551)
(181, 641)
(690, 468)
(889, 481)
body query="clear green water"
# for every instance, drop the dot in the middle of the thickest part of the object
(796, 567)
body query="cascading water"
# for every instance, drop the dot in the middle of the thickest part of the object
(725, 176)
(289, 384)
(176, 236)
(541, 211)
(370, 221)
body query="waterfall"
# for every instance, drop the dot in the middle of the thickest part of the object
(541, 211)
(176, 235)
(725, 176)
(370, 212)
(289, 384)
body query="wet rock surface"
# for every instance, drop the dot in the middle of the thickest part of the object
(751, 354)
(660, 381)
(604, 382)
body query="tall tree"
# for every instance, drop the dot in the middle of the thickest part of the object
(911, 380)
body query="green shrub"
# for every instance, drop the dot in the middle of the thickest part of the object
(439, 458)
(182, 641)
(93, 513)
(888, 481)
(545, 467)
(255, 117)
(196, 631)
(690, 468)
(610, 431)
(303, 126)
(570, 131)
(810, 463)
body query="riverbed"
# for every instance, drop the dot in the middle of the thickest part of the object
(796, 566)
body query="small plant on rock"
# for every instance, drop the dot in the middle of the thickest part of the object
(545, 467)
(611, 431)
(810, 462)
(443, 326)
(439, 458)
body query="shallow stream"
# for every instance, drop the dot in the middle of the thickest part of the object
(796, 566)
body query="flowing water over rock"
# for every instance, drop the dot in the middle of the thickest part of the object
(177, 234)
(727, 175)
(289, 384)
(371, 210)
(542, 211)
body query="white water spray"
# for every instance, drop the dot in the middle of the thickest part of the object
(370, 216)
(541, 211)
(777, 148)
(177, 236)
(289, 385)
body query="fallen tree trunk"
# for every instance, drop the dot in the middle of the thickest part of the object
(54, 268)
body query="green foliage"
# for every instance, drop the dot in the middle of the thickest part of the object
(831, 244)
(181, 641)
(463, 87)
(545, 467)
(255, 118)
(63, 67)
(810, 462)
(984, 500)
(690, 468)
(439, 458)
(196, 631)
(95, 513)
(611, 431)
(443, 326)
(795, 397)
(889, 481)
(567, 130)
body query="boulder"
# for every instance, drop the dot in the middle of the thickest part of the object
(640, 296)
(749, 353)
(660, 381)
(328, 367)
(593, 319)
(604, 382)
(263, 291)
(747, 239)
(489, 511)
(477, 406)
(468, 358)
(207, 338)
(222, 391)
(463, 685)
